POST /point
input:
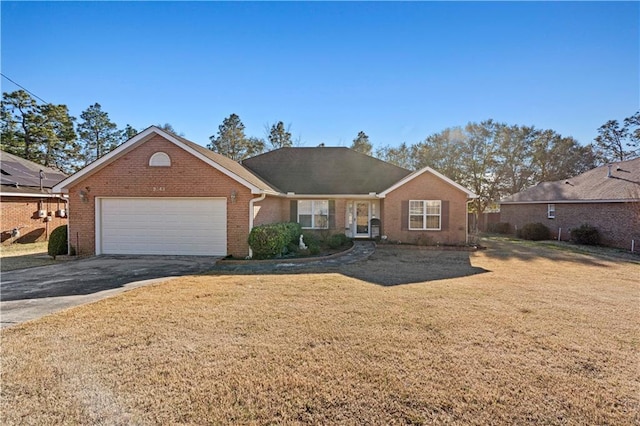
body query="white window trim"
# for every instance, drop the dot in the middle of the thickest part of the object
(425, 215)
(551, 211)
(160, 159)
(313, 216)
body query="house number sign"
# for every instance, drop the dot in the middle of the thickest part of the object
(158, 188)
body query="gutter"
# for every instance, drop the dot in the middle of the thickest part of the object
(251, 203)
(371, 196)
(28, 194)
(619, 200)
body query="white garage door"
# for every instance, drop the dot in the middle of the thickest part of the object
(167, 226)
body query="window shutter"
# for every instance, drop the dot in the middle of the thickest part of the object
(332, 214)
(293, 211)
(444, 215)
(404, 219)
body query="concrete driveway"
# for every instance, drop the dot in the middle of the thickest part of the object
(28, 294)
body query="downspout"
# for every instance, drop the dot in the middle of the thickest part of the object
(466, 221)
(66, 206)
(251, 202)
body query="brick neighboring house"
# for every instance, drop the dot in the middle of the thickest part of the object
(29, 211)
(161, 194)
(607, 197)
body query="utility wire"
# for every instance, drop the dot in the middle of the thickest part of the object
(24, 88)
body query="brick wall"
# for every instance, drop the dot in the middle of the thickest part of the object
(618, 223)
(131, 176)
(21, 212)
(425, 187)
(271, 210)
(276, 209)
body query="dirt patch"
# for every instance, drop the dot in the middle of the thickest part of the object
(394, 265)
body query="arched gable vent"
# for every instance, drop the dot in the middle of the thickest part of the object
(160, 159)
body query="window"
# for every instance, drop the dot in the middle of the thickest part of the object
(551, 211)
(313, 214)
(425, 214)
(160, 159)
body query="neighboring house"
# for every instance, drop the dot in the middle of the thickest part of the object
(607, 197)
(30, 211)
(159, 193)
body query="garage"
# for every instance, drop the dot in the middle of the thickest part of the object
(162, 226)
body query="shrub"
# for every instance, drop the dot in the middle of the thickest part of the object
(534, 232)
(311, 239)
(499, 228)
(272, 240)
(58, 242)
(585, 234)
(337, 241)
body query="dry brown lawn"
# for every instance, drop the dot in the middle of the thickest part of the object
(528, 335)
(20, 256)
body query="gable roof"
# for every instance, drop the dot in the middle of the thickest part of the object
(22, 177)
(417, 173)
(324, 171)
(592, 186)
(225, 165)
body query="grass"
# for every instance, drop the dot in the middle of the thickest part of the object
(542, 336)
(601, 251)
(20, 256)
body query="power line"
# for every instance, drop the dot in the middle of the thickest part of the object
(24, 88)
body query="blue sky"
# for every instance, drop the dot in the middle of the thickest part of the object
(397, 71)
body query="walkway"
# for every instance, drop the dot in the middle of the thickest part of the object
(361, 250)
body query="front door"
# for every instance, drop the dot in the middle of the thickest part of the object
(362, 217)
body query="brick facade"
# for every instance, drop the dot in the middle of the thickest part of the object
(22, 213)
(271, 210)
(131, 176)
(618, 223)
(425, 187)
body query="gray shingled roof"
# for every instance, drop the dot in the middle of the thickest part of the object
(324, 170)
(18, 175)
(229, 164)
(594, 185)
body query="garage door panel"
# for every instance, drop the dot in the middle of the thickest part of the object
(171, 226)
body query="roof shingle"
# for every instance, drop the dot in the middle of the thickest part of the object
(594, 185)
(324, 170)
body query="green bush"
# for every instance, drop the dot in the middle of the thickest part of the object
(337, 240)
(58, 242)
(312, 241)
(534, 232)
(499, 228)
(272, 240)
(585, 234)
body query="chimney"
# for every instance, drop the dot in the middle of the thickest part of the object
(609, 170)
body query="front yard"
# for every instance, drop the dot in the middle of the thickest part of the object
(20, 256)
(514, 334)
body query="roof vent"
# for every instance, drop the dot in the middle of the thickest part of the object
(609, 170)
